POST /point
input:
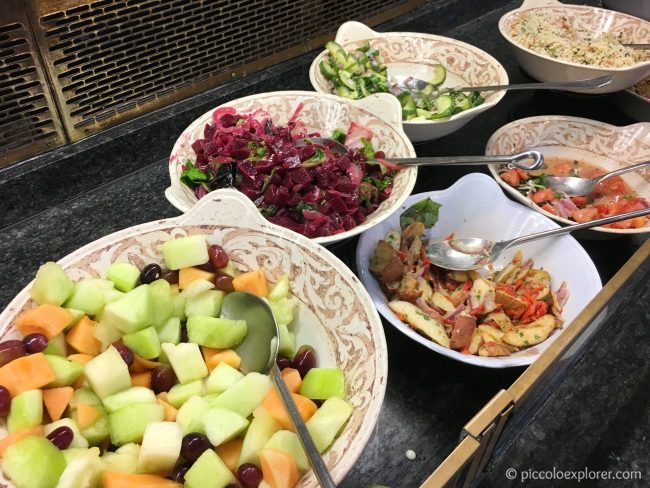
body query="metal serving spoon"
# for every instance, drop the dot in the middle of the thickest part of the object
(573, 186)
(637, 46)
(258, 353)
(419, 85)
(513, 160)
(474, 253)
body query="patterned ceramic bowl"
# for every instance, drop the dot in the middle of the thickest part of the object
(603, 145)
(410, 54)
(322, 113)
(592, 19)
(336, 315)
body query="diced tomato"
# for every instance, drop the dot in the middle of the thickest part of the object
(549, 208)
(635, 223)
(523, 174)
(511, 177)
(544, 195)
(564, 168)
(612, 186)
(585, 214)
(579, 201)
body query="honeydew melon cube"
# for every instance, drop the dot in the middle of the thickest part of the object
(245, 395)
(26, 410)
(221, 425)
(185, 251)
(230, 269)
(84, 395)
(106, 333)
(128, 424)
(186, 360)
(207, 303)
(323, 383)
(33, 462)
(190, 415)
(280, 289)
(211, 397)
(259, 432)
(144, 343)
(135, 394)
(77, 441)
(163, 305)
(83, 471)
(283, 309)
(87, 298)
(51, 285)
(170, 331)
(161, 447)
(72, 452)
(222, 377)
(288, 442)
(111, 294)
(287, 345)
(179, 394)
(123, 460)
(209, 471)
(197, 287)
(101, 283)
(56, 346)
(65, 371)
(219, 333)
(125, 276)
(131, 312)
(327, 421)
(179, 307)
(107, 373)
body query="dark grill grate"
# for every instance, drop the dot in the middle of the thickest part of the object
(110, 59)
(28, 121)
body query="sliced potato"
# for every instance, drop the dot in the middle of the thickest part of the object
(426, 292)
(393, 239)
(504, 275)
(476, 342)
(511, 304)
(462, 331)
(408, 288)
(531, 334)
(492, 349)
(538, 278)
(441, 301)
(460, 276)
(493, 332)
(413, 254)
(499, 319)
(420, 321)
(482, 292)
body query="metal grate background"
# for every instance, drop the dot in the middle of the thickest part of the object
(113, 59)
(28, 119)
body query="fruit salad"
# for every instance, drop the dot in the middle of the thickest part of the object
(133, 380)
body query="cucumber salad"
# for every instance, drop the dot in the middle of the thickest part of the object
(132, 381)
(360, 72)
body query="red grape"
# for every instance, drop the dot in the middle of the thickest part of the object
(194, 444)
(283, 362)
(125, 352)
(304, 360)
(35, 343)
(5, 401)
(178, 474)
(249, 475)
(150, 273)
(162, 378)
(218, 256)
(10, 350)
(170, 276)
(61, 437)
(223, 282)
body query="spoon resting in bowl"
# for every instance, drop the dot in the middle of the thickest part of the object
(466, 254)
(258, 353)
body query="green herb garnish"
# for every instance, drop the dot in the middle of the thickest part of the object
(425, 211)
(192, 176)
(339, 135)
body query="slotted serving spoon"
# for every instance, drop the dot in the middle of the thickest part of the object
(474, 253)
(513, 160)
(258, 353)
(573, 186)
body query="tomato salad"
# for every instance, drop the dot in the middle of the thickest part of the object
(611, 197)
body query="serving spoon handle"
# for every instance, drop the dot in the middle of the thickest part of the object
(548, 85)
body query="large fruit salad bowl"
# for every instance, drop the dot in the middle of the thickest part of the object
(334, 313)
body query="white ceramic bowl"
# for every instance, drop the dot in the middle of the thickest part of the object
(637, 8)
(336, 315)
(382, 113)
(633, 104)
(413, 54)
(603, 145)
(476, 207)
(597, 20)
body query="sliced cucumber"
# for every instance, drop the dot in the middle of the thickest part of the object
(444, 106)
(407, 101)
(364, 47)
(337, 53)
(439, 75)
(346, 79)
(328, 70)
(427, 90)
(344, 91)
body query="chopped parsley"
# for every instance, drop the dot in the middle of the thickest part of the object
(269, 211)
(339, 135)
(192, 175)
(382, 184)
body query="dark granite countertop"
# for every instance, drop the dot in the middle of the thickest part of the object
(597, 417)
